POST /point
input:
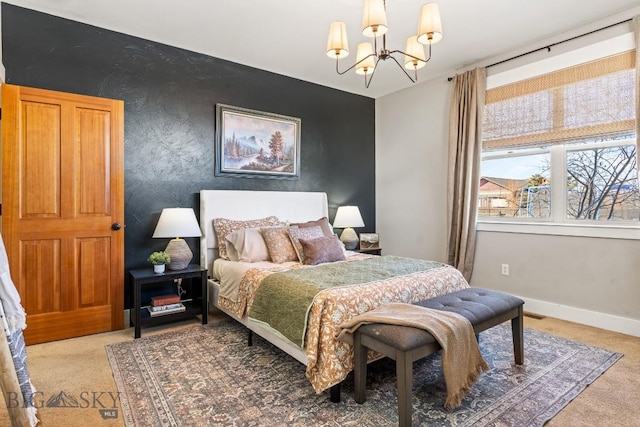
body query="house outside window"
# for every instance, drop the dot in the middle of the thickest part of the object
(560, 148)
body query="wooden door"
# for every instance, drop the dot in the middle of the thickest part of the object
(63, 203)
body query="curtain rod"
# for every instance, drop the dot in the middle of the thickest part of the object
(548, 47)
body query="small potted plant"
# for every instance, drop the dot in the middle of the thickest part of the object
(159, 259)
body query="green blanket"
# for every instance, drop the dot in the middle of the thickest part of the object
(283, 299)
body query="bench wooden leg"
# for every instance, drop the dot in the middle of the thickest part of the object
(359, 368)
(404, 377)
(334, 393)
(518, 337)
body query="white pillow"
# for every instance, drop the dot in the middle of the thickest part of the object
(247, 245)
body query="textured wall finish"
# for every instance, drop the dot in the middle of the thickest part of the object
(2, 69)
(170, 96)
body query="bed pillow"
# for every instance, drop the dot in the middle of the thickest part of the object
(321, 250)
(247, 245)
(306, 233)
(279, 244)
(323, 223)
(223, 227)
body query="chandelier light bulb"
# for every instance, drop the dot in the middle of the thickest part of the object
(412, 51)
(365, 50)
(374, 18)
(337, 44)
(430, 27)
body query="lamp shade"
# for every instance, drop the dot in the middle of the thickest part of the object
(365, 50)
(374, 18)
(175, 223)
(337, 43)
(348, 216)
(430, 27)
(416, 50)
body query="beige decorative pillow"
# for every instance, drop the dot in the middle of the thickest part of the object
(323, 223)
(279, 244)
(321, 250)
(223, 227)
(247, 245)
(307, 233)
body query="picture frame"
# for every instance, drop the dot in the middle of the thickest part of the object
(256, 144)
(369, 241)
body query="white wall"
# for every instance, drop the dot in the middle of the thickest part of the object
(593, 281)
(411, 170)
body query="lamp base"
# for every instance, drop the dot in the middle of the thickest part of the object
(180, 254)
(349, 238)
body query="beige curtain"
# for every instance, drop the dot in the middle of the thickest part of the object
(465, 148)
(636, 31)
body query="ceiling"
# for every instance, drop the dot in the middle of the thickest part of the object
(289, 36)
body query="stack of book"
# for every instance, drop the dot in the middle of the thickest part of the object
(165, 304)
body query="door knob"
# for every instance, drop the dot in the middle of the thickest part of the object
(116, 226)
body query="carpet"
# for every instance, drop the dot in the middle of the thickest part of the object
(207, 376)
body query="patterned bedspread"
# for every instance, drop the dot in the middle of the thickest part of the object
(329, 361)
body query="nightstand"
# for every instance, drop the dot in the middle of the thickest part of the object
(195, 300)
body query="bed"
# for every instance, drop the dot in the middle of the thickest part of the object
(237, 288)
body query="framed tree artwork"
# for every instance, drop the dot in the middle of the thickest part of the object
(256, 144)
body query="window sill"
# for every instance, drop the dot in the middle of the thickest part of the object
(629, 232)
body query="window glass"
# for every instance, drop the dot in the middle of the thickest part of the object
(515, 184)
(602, 184)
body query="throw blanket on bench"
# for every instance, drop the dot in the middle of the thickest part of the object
(462, 362)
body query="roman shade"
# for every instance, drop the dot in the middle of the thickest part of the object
(594, 100)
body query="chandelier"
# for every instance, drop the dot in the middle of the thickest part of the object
(374, 24)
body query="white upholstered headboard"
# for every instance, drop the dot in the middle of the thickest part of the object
(291, 206)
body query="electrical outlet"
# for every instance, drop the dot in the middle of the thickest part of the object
(505, 269)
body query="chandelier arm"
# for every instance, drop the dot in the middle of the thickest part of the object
(402, 68)
(354, 65)
(411, 56)
(427, 60)
(366, 85)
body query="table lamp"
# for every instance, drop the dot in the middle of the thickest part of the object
(176, 223)
(348, 217)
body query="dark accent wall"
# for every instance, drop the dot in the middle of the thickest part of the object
(170, 96)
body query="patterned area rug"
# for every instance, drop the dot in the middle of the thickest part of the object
(207, 376)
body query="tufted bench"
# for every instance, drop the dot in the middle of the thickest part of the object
(404, 344)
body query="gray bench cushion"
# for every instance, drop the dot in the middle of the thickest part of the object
(484, 308)
(476, 304)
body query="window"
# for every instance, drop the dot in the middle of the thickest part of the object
(561, 147)
(519, 179)
(602, 181)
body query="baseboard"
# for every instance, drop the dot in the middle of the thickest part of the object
(127, 318)
(586, 317)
